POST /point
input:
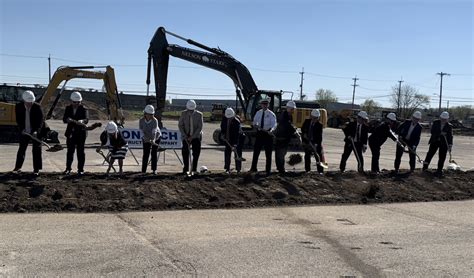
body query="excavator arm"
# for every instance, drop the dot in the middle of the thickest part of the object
(213, 58)
(114, 107)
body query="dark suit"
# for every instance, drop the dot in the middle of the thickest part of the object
(412, 142)
(312, 133)
(283, 133)
(232, 132)
(36, 123)
(438, 139)
(376, 140)
(75, 136)
(360, 140)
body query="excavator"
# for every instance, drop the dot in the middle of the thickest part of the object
(49, 100)
(247, 92)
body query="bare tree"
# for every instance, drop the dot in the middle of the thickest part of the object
(461, 112)
(370, 106)
(409, 100)
(324, 97)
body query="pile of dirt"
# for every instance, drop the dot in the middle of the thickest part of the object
(98, 193)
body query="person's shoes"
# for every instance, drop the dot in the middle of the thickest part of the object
(439, 174)
(321, 173)
(253, 170)
(154, 172)
(36, 173)
(268, 173)
(425, 168)
(17, 170)
(67, 172)
(227, 172)
(80, 173)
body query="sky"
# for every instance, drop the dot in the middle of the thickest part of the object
(379, 42)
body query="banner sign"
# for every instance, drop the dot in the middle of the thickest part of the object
(170, 139)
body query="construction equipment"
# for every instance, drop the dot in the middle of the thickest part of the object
(54, 148)
(217, 111)
(49, 100)
(248, 96)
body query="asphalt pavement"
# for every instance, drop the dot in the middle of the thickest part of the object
(395, 240)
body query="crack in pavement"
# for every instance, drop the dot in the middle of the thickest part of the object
(343, 252)
(180, 265)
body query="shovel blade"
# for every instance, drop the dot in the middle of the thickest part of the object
(324, 165)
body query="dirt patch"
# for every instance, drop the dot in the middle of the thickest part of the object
(98, 193)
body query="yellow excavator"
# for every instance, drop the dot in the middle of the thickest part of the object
(49, 100)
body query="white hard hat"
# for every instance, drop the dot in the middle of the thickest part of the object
(111, 127)
(28, 96)
(363, 115)
(417, 115)
(291, 104)
(265, 100)
(229, 113)
(315, 113)
(444, 115)
(76, 96)
(149, 109)
(203, 169)
(191, 104)
(392, 116)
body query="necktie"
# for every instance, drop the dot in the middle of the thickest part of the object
(263, 118)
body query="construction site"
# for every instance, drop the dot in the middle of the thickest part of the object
(343, 193)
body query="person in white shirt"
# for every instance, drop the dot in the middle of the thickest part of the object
(265, 122)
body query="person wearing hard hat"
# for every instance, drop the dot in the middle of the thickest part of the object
(190, 125)
(378, 137)
(231, 132)
(264, 122)
(409, 134)
(442, 139)
(151, 137)
(30, 120)
(283, 133)
(356, 134)
(312, 131)
(118, 147)
(76, 116)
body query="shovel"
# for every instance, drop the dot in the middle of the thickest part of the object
(356, 155)
(318, 158)
(190, 171)
(99, 151)
(54, 148)
(410, 150)
(237, 157)
(451, 160)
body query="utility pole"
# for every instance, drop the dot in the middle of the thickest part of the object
(49, 64)
(301, 84)
(447, 106)
(399, 110)
(354, 90)
(441, 74)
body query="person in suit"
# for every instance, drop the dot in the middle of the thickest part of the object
(30, 120)
(264, 122)
(151, 138)
(312, 131)
(190, 125)
(356, 134)
(379, 136)
(408, 135)
(76, 116)
(442, 139)
(231, 131)
(283, 134)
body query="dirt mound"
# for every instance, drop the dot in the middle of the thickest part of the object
(96, 192)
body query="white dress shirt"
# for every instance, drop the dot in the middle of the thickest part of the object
(269, 121)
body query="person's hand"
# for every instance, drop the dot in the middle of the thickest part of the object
(413, 148)
(81, 121)
(69, 120)
(98, 149)
(34, 133)
(349, 137)
(364, 148)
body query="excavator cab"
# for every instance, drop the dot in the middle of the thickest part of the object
(254, 103)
